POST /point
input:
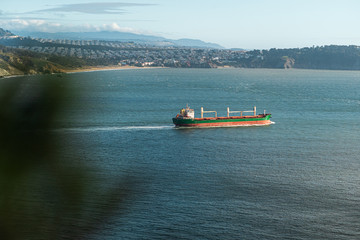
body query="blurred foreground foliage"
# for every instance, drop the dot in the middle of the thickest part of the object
(41, 195)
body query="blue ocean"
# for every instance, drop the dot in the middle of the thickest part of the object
(296, 179)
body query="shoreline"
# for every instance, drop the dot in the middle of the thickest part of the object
(105, 68)
(85, 69)
(116, 67)
(98, 68)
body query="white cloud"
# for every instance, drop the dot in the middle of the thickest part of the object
(29, 25)
(94, 7)
(39, 25)
(115, 28)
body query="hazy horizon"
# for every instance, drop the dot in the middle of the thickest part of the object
(232, 24)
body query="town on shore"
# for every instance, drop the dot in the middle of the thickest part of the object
(26, 55)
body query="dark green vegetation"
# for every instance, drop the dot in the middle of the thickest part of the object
(25, 55)
(18, 62)
(45, 194)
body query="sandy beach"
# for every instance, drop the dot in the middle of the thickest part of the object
(105, 68)
(86, 69)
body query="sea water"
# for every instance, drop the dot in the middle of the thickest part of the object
(296, 179)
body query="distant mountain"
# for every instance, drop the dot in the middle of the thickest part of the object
(5, 33)
(186, 42)
(104, 35)
(238, 49)
(122, 37)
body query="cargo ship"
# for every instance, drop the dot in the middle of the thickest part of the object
(186, 118)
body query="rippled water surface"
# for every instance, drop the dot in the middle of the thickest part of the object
(296, 179)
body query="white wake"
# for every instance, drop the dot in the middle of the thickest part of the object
(110, 129)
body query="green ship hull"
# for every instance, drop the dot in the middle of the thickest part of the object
(261, 119)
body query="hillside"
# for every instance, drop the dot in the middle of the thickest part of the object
(148, 40)
(5, 33)
(26, 55)
(16, 62)
(20, 62)
(331, 57)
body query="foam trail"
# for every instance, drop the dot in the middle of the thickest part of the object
(110, 129)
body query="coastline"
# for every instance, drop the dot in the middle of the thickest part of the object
(116, 67)
(84, 69)
(105, 68)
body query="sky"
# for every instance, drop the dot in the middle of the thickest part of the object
(248, 24)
